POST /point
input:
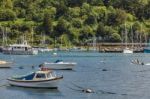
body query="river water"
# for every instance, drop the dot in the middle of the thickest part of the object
(110, 75)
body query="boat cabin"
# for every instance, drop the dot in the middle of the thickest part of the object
(43, 75)
(19, 47)
(38, 75)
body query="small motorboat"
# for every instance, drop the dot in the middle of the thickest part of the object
(5, 64)
(59, 64)
(127, 51)
(38, 79)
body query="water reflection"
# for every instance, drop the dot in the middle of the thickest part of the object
(34, 91)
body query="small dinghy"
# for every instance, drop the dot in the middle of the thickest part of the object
(38, 79)
(59, 64)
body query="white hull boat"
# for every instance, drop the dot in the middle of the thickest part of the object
(60, 65)
(42, 49)
(10, 52)
(39, 79)
(19, 49)
(127, 51)
(5, 64)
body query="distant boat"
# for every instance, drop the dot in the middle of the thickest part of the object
(19, 49)
(38, 79)
(42, 49)
(5, 64)
(55, 54)
(77, 49)
(127, 50)
(43, 46)
(59, 64)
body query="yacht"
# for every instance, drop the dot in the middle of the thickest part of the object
(19, 49)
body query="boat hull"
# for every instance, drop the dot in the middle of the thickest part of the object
(8, 65)
(62, 66)
(52, 83)
(5, 64)
(127, 51)
(20, 52)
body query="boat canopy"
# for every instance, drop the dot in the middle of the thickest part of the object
(34, 75)
(25, 77)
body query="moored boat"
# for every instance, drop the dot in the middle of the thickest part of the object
(127, 51)
(42, 49)
(59, 64)
(19, 49)
(38, 79)
(5, 64)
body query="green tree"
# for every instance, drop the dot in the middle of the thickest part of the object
(77, 23)
(47, 24)
(61, 27)
(100, 30)
(7, 15)
(90, 20)
(115, 37)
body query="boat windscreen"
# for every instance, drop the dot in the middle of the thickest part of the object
(58, 61)
(29, 77)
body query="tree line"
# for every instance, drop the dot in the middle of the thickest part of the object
(75, 22)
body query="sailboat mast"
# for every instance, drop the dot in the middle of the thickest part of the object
(141, 36)
(3, 37)
(94, 43)
(32, 36)
(6, 36)
(132, 37)
(125, 36)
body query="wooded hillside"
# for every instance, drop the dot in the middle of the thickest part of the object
(74, 22)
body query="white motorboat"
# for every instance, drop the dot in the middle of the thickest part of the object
(5, 64)
(127, 51)
(60, 65)
(42, 49)
(19, 49)
(38, 79)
